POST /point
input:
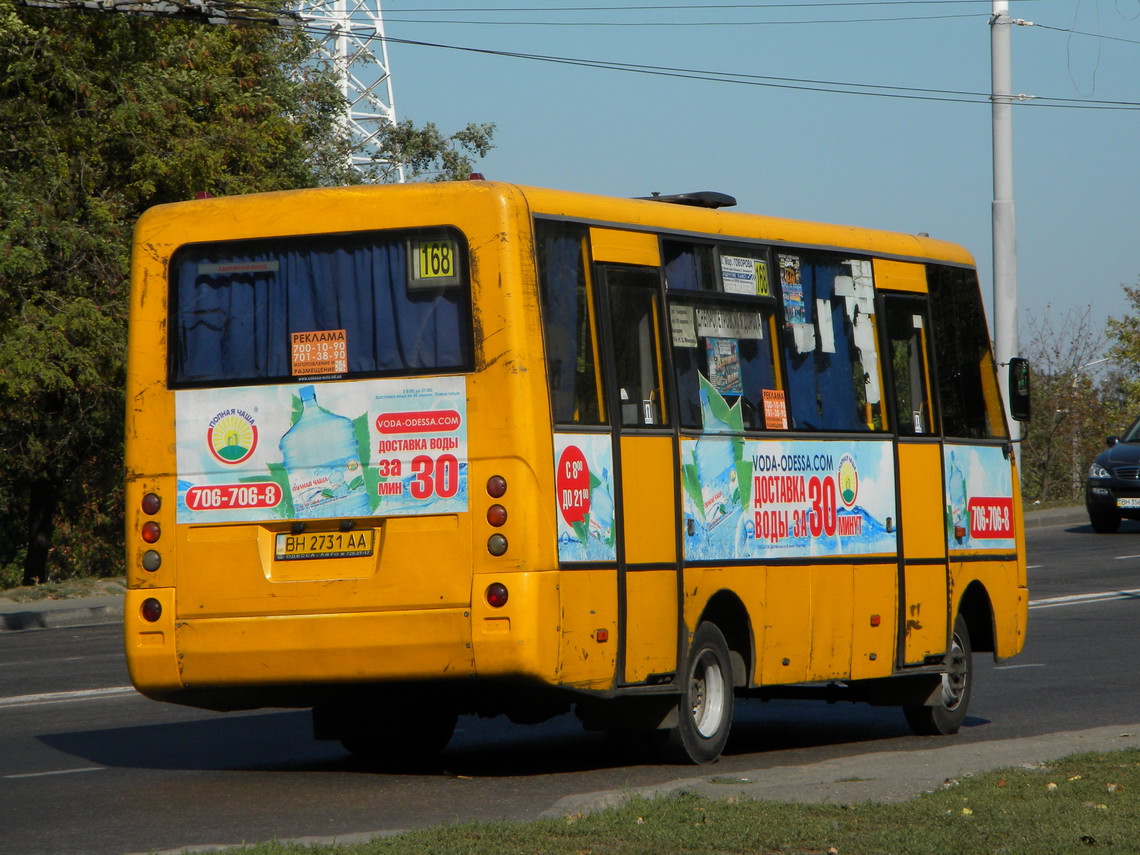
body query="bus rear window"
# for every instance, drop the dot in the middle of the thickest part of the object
(329, 306)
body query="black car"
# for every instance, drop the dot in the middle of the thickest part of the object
(1113, 489)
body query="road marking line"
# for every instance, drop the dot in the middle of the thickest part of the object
(56, 772)
(1078, 599)
(59, 697)
(1123, 557)
(1012, 667)
(1034, 566)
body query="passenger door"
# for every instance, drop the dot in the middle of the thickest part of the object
(646, 464)
(923, 573)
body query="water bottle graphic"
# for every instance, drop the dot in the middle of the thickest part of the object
(321, 459)
(957, 520)
(602, 511)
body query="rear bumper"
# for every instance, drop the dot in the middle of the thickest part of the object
(230, 663)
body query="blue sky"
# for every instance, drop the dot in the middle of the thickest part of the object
(905, 164)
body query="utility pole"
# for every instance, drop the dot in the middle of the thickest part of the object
(1004, 226)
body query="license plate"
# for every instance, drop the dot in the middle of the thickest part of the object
(1128, 503)
(323, 544)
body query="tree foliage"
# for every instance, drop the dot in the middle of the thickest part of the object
(427, 152)
(1084, 388)
(102, 116)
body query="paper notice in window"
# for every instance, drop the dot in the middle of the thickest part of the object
(319, 352)
(775, 409)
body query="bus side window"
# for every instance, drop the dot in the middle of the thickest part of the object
(724, 363)
(634, 320)
(569, 325)
(967, 383)
(834, 375)
(906, 337)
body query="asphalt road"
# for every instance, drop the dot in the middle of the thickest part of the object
(88, 767)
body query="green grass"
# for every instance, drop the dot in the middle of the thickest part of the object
(1087, 802)
(67, 589)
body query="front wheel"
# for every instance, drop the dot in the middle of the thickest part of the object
(1104, 521)
(705, 707)
(949, 711)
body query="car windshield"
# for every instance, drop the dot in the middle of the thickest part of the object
(1133, 433)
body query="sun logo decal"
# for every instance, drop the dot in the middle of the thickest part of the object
(232, 437)
(848, 478)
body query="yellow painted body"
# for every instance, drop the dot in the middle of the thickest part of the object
(235, 619)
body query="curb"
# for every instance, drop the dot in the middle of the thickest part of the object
(885, 776)
(50, 614)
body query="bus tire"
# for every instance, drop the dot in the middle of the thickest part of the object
(399, 733)
(947, 714)
(704, 710)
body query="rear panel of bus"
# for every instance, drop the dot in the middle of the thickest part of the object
(331, 444)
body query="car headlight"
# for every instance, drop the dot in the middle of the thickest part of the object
(1098, 471)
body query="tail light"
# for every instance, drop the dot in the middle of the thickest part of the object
(151, 610)
(497, 516)
(497, 595)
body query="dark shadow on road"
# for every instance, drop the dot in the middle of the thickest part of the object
(1126, 527)
(764, 734)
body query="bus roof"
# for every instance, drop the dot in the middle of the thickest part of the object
(639, 214)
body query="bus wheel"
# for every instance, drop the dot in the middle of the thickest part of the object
(948, 713)
(705, 708)
(398, 733)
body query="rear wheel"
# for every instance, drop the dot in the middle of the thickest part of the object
(705, 707)
(949, 711)
(1104, 521)
(393, 730)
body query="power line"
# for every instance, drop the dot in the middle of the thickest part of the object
(239, 11)
(679, 23)
(743, 79)
(703, 6)
(1090, 35)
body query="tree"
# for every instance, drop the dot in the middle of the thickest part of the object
(1124, 351)
(426, 151)
(102, 116)
(1071, 406)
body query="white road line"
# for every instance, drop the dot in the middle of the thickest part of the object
(56, 772)
(61, 697)
(1078, 599)
(1124, 557)
(1034, 566)
(1014, 667)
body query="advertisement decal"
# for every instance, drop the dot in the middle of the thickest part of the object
(766, 499)
(583, 481)
(979, 498)
(322, 451)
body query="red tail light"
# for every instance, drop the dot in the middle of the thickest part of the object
(497, 595)
(151, 610)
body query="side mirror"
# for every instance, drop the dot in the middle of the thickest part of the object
(1019, 388)
(1111, 441)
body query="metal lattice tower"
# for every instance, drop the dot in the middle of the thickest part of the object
(350, 36)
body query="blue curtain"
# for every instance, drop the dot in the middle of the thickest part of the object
(822, 384)
(235, 327)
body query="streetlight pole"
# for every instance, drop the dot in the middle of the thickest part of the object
(1004, 228)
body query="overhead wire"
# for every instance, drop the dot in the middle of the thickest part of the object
(240, 11)
(740, 78)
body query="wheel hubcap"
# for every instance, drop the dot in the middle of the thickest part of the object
(954, 680)
(706, 695)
